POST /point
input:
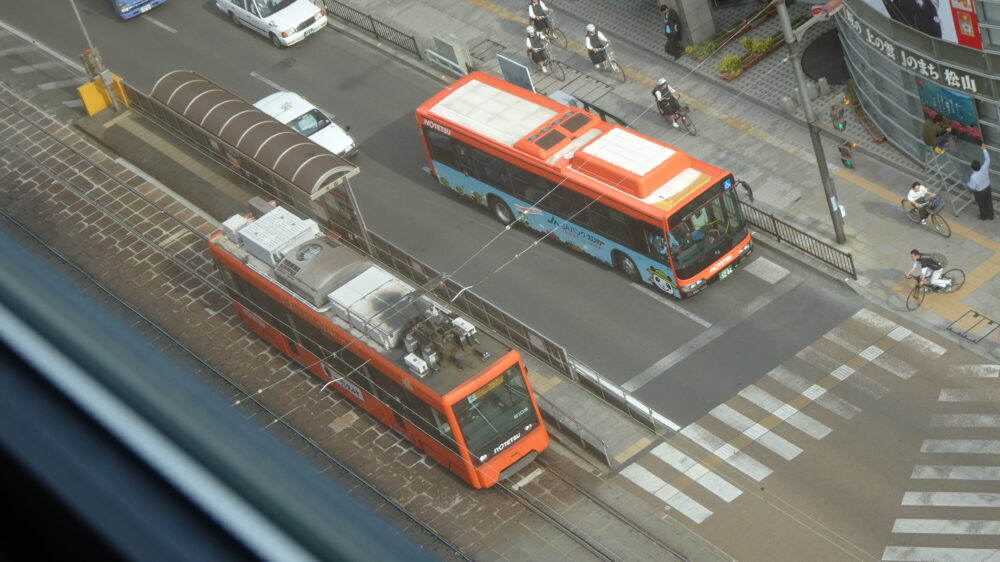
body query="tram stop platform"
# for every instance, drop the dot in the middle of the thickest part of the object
(600, 432)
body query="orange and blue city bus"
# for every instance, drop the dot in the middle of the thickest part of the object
(458, 394)
(607, 191)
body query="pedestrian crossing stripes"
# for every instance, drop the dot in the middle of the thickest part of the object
(967, 492)
(866, 355)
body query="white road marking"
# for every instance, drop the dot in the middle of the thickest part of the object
(875, 320)
(73, 103)
(981, 371)
(946, 527)
(828, 400)
(969, 446)
(945, 472)
(925, 553)
(71, 82)
(896, 366)
(159, 24)
(697, 472)
(274, 85)
(871, 352)
(899, 333)
(16, 50)
(731, 455)
(965, 420)
(969, 395)
(791, 415)
(767, 270)
(826, 363)
(952, 499)
(771, 441)
(666, 493)
(706, 337)
(38, 66)
(671, 303)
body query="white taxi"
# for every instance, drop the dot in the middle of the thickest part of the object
(284, 22)
(308, 120)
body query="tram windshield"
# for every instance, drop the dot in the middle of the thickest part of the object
(497, 414)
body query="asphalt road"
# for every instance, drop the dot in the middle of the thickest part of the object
(666, 350)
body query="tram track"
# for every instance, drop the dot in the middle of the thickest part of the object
(587, 538)
(166, 229)
(163, 230)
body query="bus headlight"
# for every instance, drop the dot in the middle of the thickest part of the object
(482, 458)
(693, 287)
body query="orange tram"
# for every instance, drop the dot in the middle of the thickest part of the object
(458, 394)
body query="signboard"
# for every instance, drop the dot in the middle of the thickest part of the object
(515, 73)
(949, 20)
(945, 75)
(958, 109)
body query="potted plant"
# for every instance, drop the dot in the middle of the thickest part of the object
(730, 66)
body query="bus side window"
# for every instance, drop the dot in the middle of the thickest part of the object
(491, 170)
(655, 244)
(565, 202)
(527, 186)
(608, 222)
(440, 146)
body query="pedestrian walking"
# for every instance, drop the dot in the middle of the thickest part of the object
(672, 29)
(979, 183)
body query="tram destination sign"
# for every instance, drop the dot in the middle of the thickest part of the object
(931, 70)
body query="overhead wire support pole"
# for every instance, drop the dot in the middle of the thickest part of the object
(824, 172)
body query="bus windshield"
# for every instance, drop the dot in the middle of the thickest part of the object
(495, 414)
(705, 229)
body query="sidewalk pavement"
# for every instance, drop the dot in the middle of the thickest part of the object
(741, 127)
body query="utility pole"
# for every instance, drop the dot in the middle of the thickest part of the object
(824, 172)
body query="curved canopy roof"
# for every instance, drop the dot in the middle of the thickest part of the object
(258, 136)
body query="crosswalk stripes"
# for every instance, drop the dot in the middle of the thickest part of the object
(968, 492)
(867, 354)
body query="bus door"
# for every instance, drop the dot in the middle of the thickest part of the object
(656, 245)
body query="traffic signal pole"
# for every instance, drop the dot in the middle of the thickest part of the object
(824, 172)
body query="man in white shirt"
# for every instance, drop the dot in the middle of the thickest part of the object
(919, 195)
(979, 183)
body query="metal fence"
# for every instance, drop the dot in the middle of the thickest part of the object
(809, 244)
(377, 28)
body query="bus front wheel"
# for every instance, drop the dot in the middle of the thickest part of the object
(501, 211)
(627, 266)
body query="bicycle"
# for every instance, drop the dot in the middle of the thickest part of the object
(915, 298)
(611, 65)
(934, 206)
(552, 33)
(682, 118)
(555, 67)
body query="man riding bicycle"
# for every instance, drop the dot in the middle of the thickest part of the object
(666, 100)
(536, 48)
(538, 13)
(921, 197)
(927, 267)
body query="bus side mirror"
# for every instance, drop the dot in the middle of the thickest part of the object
(746, 189)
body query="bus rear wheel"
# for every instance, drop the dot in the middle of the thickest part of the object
(501, 211)
(627, 267)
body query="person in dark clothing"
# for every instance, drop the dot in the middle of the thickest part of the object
(596, 43)
(672, 29)
(921, 15)
(935, 133)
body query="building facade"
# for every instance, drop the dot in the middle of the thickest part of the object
(912, 59)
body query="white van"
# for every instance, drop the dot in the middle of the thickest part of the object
(284, 22)
(307, 119)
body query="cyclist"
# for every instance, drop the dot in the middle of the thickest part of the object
(536, 48)
(927, 267)
(538, 13)
(920, 196)
(666, 100)
(596, 43)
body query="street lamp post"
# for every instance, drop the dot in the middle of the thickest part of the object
(824, 172)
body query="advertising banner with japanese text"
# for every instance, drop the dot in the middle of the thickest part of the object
(959, 110)
(949, 20)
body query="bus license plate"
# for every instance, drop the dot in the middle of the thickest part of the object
(725, 272)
